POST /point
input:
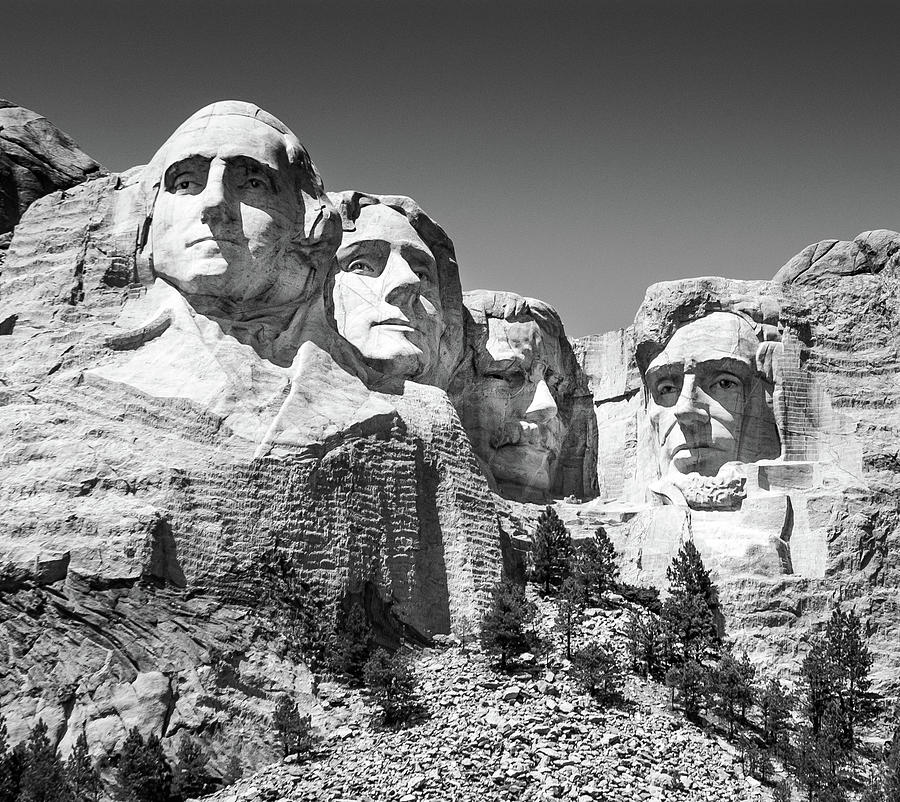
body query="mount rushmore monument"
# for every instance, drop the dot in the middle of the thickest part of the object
(223, 387)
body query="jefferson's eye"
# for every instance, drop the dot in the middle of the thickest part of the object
(255, 183)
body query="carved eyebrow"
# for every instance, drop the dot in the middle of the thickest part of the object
(363, 245)
(416, 252)
(187, 163)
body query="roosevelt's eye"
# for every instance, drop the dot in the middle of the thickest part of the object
(513, 379)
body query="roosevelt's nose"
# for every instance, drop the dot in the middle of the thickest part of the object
(542, 407)
(401, 284)
(215, 199)
(691, 407)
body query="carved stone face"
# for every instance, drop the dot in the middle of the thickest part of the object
(226, 209)
(514, 423)
(386, 293)
(698, 389)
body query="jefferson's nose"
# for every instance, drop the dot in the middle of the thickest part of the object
(691, 407)
(401, 284)
(215, 201)
(542, 407)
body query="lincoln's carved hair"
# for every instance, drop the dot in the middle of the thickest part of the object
(349, 204)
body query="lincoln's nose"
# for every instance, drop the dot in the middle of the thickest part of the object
(691, 409)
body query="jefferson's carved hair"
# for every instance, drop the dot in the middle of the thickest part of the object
(349, 205)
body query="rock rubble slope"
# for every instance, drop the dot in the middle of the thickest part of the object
(527, 736)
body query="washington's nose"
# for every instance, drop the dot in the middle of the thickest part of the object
(214, 200)
(542, 407)
(401, 284)
(691, 407)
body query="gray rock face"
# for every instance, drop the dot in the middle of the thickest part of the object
(36, 158)
(805, 514)
(172, 459)
(225, 394)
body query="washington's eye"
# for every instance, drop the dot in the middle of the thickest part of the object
(255, 183)
(666, 387)
(185, 184)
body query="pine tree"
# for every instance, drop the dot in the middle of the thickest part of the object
(292, 729)
(190, 769)
(570, 610)
(731, 688)
(43, 777)
(595, 565)
(392, 685)
(819, 760)
(691, 680)
(143, 770)
(885, 786)
(775, 705)
(597, 670)
(10, 766)
(353, 641)
(552, 550)
(504, 629)
(689, 613)
(646, 645)
(835, 676)
(83, 778)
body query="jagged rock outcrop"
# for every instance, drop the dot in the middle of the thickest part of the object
(788, 534)
(36, 158)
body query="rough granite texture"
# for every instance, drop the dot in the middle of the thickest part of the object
(142, 533)
(36, 158)
(146, 535)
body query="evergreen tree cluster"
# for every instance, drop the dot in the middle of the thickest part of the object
(34, 772)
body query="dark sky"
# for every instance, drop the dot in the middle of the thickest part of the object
(574, 151)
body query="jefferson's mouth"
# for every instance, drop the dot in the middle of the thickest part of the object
(217, 240)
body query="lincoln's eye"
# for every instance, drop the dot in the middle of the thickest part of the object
(726, 383)
(360, 266)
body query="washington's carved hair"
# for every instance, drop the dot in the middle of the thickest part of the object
(316, 232)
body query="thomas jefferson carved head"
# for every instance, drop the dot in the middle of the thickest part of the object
(511, 401)
(238, 211)
(395, 294)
